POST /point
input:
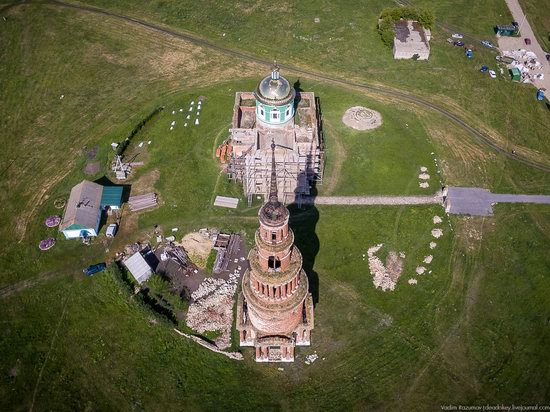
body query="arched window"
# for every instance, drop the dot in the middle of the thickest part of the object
(287, 112)
(275, 114)
(273, 262)
(262, 111)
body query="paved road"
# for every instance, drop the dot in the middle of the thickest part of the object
(374, 200)
(457, 200)
(509, 43)
(383, 90)
(479, 202)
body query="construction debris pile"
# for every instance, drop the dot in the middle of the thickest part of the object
(311, 358)
(212, 308)
(437, 233)
(526, 62)
(141, 202)
(385, 276)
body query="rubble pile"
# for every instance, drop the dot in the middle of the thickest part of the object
(311, 358)
(212, 308)
(527, 63)
(437, 233)
(384, 277)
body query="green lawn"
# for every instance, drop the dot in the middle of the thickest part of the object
(473, 330)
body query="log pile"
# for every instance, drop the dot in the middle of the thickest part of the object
(141, 202)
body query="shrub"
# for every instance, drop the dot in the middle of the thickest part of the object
(391, 15)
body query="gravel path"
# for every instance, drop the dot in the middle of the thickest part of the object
(374, 200)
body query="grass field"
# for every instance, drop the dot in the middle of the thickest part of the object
(539, 19)
(473, 330)
(345, 43)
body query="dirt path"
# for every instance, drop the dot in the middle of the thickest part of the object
(54, 338)
(339, 156)
(25, 284)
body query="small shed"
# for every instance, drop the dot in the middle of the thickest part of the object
(515, 74)
(83, 212)
(112, 197)
(138, 267)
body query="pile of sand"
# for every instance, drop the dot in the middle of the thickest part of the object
(361, 118)
(197, 245)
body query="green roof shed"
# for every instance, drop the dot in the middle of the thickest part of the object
(112, 197)
(515, 74)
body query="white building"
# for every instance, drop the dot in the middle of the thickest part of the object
(138, 267)
(411, 40)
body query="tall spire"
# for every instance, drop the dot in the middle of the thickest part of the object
(273, 195)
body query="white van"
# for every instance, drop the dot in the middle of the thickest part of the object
(111, 230)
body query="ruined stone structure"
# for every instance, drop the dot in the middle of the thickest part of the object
(276, 112)
(274, 309)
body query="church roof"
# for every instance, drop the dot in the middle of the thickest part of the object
(275, 89)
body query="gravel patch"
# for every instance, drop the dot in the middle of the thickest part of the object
(361, 118)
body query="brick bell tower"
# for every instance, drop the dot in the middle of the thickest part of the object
(274, 309)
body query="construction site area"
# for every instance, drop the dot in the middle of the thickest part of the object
(299, 153)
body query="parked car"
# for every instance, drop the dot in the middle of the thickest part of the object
(488, 44)
(93, 269)
(459, 43)
(111, 230)
(483, 69)
(492, 74)
(527, 41)
(457, 36)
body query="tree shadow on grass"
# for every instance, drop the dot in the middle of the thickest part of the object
(303, 221)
